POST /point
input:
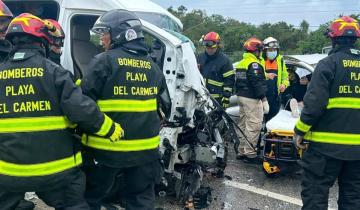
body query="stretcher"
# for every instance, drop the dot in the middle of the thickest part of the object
(279, 152)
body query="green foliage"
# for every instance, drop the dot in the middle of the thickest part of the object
(293, 40)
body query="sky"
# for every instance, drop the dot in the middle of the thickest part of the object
(315, 12)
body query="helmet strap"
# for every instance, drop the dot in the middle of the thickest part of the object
(344, 41)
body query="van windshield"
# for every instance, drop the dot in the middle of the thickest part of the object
(160, 20)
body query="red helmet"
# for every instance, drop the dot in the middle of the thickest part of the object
(58, 39)
(211, 39)
(31, 25)
(253, 44)
(5, 11)
(344, 26)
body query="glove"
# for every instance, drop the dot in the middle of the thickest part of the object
(266, 107)
(298, 141)
(225, 102)
(117, 134)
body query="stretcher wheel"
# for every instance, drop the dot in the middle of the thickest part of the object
(270, 170)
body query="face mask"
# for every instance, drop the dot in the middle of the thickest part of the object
(271, 55)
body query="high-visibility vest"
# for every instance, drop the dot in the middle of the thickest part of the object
(279, 65)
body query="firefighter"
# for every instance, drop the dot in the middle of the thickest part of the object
(5, 47)
(328, 123)
(39, 99)
(126, 84)
(277, 74)
(217, 69)
(57, 42)
(5, 17)
(250, 88)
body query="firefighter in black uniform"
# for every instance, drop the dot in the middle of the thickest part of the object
(329, 121)
(39, 99)
(126, 84)
(217, 69)
(5, 47)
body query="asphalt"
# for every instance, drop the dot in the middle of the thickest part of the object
(245, 187)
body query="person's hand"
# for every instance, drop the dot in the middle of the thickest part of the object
(282, 88)
(271, 75)
(266, 107)
(298, 141)
(117, 134)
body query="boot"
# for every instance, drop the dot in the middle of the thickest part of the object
(25, 205)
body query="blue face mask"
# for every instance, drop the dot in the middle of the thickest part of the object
(271, 55)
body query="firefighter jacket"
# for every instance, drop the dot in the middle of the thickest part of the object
(5, 48)
(38, 101)
(218, 72)
(329, 119)
(277, 67)
(126, 83)
(250, 77)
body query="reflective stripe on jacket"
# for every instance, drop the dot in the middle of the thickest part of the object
(126, 86)
(218, 73)
(38, 103)
(332, 102)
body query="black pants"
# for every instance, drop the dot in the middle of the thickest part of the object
(70, 197)
(320, 173)
(138, 189)
(274, 105)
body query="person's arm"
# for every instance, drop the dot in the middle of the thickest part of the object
(79, 108)
(228, 75)
(163, 97)
(316, 97)
(284, 75)
(95, 77)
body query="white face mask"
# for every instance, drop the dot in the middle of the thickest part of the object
(271, 54)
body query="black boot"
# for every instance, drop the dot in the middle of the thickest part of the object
(25, 205)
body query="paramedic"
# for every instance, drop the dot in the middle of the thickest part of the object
(274, 63)
(251, 88)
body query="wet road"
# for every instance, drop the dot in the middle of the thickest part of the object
(245, 187)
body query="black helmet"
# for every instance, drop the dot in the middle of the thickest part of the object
(122, 25)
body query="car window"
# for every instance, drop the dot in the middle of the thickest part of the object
(84, 45)
(156, 49)
(43, 9)
(160, 20)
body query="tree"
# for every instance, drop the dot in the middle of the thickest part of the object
(293, 40)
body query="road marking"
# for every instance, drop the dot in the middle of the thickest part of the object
(266, 193)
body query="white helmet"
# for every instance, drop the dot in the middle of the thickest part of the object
(271, 42)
